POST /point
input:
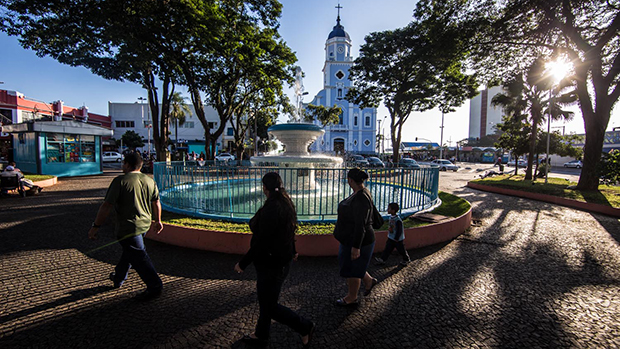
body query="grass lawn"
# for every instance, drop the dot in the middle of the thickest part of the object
(35, 178)
(452, 206)
(606, 195)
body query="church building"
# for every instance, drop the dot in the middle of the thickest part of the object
(356, 131)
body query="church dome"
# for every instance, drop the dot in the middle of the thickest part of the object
(338, 31)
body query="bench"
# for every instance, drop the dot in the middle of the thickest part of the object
(11, 183)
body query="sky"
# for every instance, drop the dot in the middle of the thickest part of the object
(304, 26)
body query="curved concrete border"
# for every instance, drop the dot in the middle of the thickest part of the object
(580, 205)
(47, 182)
(307, 245)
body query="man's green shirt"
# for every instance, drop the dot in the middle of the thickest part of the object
(132, 195)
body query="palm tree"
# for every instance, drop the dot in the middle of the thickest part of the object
(178, 111)
(529, 94)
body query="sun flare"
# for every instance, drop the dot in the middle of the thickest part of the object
(559, 69)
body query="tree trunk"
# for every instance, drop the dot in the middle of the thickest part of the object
(533, 138)
(596, 122)
(595, 131)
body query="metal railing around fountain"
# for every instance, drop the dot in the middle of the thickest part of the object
(234, 193)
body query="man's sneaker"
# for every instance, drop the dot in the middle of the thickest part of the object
(112, 278)
(149, 294)
(379, 261)
(404, 263)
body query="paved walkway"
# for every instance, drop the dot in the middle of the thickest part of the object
(529, 274)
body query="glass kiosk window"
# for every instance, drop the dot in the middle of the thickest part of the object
(70, 148)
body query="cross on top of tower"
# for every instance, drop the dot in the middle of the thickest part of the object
(338, 7)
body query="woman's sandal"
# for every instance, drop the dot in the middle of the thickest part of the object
(374, 282)
(342, 303)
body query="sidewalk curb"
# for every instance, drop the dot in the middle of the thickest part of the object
(46, 182)
(580, 205)
(307, 245)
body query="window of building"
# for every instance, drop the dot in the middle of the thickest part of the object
(355, 120)
(340, 93)
(70, 148)
(230, 131)
(340, 74)
(355, 142)
(211, 124)
(367, 142)
(147, 123)
(367, 121)
(188, 124)
(125, 124)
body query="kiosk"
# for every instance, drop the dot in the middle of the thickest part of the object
(60, 148)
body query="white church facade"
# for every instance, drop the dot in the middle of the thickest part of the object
(356, 130)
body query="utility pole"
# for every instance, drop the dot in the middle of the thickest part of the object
(441, 141)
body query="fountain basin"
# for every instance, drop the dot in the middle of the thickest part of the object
(296, 136)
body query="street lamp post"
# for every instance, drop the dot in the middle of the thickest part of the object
(441, 141)
(148, 126)
(547, 163)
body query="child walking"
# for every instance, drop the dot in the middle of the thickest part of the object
(396, 237)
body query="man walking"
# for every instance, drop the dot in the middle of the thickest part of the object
(135, 198)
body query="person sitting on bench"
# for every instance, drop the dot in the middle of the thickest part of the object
(11, 171)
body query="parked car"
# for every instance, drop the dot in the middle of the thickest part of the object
(111, 156)
(445, 165)
(359, 161)
(225, 157)
(574, 163)
(520, 163)
(408, 163)
(375, 162)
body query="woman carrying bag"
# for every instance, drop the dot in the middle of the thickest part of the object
(354, 230)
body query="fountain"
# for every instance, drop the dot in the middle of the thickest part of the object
(316, 183)
(297, 137)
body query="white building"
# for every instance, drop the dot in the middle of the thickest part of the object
(483, 116)
(137, 117)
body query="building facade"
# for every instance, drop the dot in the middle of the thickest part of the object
(16, 108)
(356, 130)
(189, 137)
(51, 138)
(483, 116)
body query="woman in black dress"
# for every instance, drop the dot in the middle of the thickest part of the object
(272, 250)
(356, 236)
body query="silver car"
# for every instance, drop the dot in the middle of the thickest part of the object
(574, 163)
(111, 156)
(445, 165)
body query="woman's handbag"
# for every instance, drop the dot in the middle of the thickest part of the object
(377, 220)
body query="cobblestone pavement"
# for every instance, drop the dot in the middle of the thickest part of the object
(528, 274)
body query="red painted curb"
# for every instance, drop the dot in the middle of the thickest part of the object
(580, 205)
(307, 245)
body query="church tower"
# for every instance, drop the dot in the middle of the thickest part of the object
(355, 132)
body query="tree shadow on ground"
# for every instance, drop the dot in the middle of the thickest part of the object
(507, 283)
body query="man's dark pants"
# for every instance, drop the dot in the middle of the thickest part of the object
(269, 280)
(134, 255)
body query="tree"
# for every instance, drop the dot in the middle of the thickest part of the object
(586, 32)
(119, 40)
(528, 93)
(178, 111)
(132, 140)
(326, 116)
(248, 55)
(610, 167)
(515, 133)
(416, 68)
